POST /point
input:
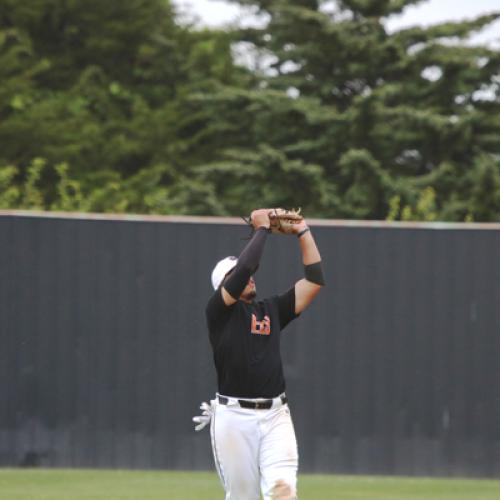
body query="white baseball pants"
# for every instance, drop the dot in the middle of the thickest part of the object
(255, 451)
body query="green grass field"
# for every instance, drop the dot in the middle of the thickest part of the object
(53, 484)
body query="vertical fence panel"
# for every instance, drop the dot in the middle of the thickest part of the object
(8, 371)
(105, 356)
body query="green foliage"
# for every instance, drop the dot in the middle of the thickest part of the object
(141, 193)
(116, 106)
(484, 185)
(266, 177)
(401, 110)
(9, 191)
(424, 210)
(364, 184)
(28, 194)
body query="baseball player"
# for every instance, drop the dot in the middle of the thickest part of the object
(253, 438)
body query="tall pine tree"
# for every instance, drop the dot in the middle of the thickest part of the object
(378, 114)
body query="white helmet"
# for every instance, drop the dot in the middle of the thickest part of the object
(221, 269)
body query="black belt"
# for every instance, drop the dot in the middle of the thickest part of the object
(254, 405)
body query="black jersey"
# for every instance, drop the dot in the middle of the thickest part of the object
(245, 339)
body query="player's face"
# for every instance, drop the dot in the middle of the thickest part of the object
(250, 291)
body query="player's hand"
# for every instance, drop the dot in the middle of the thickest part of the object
(297, 228)
(260, 218)
(204, 419)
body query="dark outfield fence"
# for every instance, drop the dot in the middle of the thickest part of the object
(104, 357)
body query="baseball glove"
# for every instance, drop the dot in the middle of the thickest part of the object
(282, 220)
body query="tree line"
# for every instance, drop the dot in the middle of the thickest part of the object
(118, 106)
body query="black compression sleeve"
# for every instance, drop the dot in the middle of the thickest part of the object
(314, 273)
(248, 261)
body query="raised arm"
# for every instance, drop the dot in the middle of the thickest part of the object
(308, 287)
(249, 259)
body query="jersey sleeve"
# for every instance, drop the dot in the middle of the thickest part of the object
(286, 307)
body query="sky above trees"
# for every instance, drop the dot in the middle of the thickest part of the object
(219, 12)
